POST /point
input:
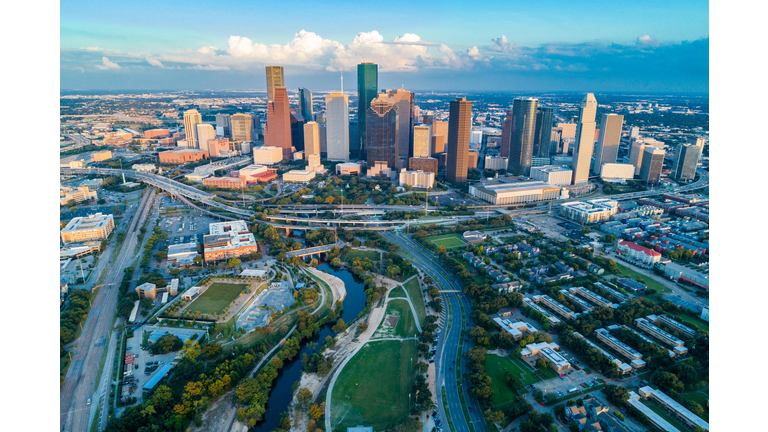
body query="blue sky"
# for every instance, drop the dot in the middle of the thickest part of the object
(426, 45)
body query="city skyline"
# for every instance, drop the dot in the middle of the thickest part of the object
(527, 47)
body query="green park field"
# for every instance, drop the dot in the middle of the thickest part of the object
(216, 298)
(361, 254)
(450, 241)
(379, 400)
(417, 297)
(497, 367)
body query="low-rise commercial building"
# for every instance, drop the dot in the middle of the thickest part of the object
(417, 179)
(496, 163)
(256, 174)
(348, 168)
(634, 357)
(614, 172)
(267, 155)
(677, 345)
(589, 212)
(672, 323)
(655, 419)
(191, 293)
(472, 237)
(94, 227)
(79, 250)
(623, 367)
(501, 192)
(557, 175)
(639, 254)
(673, 407)
(182, 155)
(299, 176)
(687, 274)
(553, 320)
(225, 182)
(591, 296)
(78, 194)
(556, 306)
(631, 284)
(150, 290)
(157, 133)
(182, 253)
(547, 351)
(228, 240)
(516, 329)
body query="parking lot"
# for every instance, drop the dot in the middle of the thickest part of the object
(573, 378)
(140, 373)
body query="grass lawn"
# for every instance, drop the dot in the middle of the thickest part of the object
(496, 367)
(217, 297)
(534, 375)
(405, 327)
(417, 297)
(450, 241)
(687, 319)
(701, 399)
(650, 283)
(379, 400)
(357, 253)
(397, 292)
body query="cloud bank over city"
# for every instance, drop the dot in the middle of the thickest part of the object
(407, 58)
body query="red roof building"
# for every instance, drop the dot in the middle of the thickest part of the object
(639, 254)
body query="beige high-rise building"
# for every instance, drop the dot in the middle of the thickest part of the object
(459, 126)
(205, 132)
(311, 139)
(337, 127)
(422, 141)
(241, 127)
(585, 139)
(439, 136)
(93, 227)
(568, 130)
(404, 102)
(638, 148)
(274, 79)
(191, 118)
(608, 142)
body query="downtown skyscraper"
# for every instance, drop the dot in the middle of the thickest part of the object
(404, 101)
(686, 161)
(367, 89)
(522, 130)
(337, 126)
(277, 132)
(459, 126)
(607, 148)
(241, 127)
(542, 138)
(305, 104)
(274, 79)
(191, 119)
(381, 132)
(585, 139)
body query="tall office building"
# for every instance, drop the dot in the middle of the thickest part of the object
(522, 130)
(224, 122)
(241, 127)
(255, 126)
(439, 136)
(305, 104)
(459, 126)
(653, 160)
(607, 148)
(381, 132)
(297, 130)
(585, 139)
(699, 142)
(277, 132)
(205, 132)
(275, 79)
(337, 126)
(428, 119)
(634, 132)
(638, 147)
(545, 117)
(404, 101)
(685, 162)
(311, 138)
(367, 85)
(506, 135)
(422, 141)
(191, 118)
(354, 131)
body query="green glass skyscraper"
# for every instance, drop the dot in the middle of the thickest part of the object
(367, 85)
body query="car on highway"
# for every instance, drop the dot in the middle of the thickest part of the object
(88, 402)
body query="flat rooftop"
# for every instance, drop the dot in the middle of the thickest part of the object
(94, 221)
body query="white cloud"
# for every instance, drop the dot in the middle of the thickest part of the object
(474, 53)
(106, 64)
(93, 48)
(208, 67)
(155, 62)
(501, 45)
(647, 40)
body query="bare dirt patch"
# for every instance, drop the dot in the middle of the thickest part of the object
(391, 321)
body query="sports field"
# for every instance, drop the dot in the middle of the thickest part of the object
(450, 241)
(379, 400)
(217, 297)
